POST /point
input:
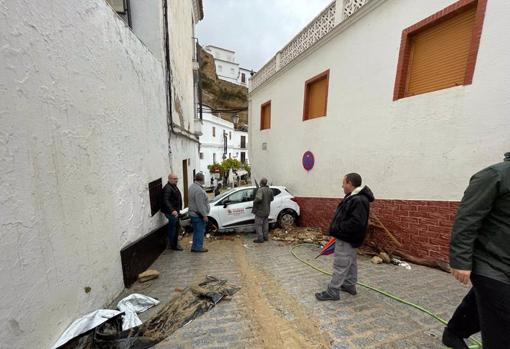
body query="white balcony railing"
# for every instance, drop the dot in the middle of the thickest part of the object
(313, 32)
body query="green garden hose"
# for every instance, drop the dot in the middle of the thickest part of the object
(476, 344)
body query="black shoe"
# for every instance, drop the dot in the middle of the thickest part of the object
(349, 289)
(176, 248)
(326, 296)
(257, 241)
(200, 250)
(266, 238)
(453, 341)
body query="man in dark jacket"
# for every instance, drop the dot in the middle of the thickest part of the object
(480, 252)
(349, 226)
(261, 210)
(171, 205)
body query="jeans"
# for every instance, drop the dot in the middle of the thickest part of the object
(172, 230)
(345, 267)
(261, 227)
(198, 232)
(487, 308)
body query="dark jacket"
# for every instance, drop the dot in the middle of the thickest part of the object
(350, 222)
(171, 199)
(262, 202)
(480, 238)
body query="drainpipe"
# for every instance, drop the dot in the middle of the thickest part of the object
(168, 75)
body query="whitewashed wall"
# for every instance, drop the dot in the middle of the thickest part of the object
(82, 131)
(147, 24)
(423, 147)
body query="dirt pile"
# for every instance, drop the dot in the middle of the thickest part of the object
(297, 235)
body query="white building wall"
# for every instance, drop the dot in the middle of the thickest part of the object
(422, 147)
(82, 133)
(247, 75)
(147, 24)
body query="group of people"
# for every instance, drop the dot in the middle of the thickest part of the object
(479, 246)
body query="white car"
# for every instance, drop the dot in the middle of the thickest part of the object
(231, 210)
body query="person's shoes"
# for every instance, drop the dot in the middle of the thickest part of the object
(200, 250)
(266, 238)
(453, 341)
(176, 248)
(258, 241)
(326, 296)
(349, 289)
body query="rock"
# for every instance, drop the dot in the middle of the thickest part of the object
(376, 260)
(384, 256)
(147, 275)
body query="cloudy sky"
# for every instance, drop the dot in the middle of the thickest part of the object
(255, 29)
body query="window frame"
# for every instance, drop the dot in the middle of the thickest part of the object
(445, 14)
(262, 106)
(318, 77)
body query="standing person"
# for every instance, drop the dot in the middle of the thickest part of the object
(217, 191)
(261, 209)
(480, 252)
(171, 205)
(349, 226)
(198, 210)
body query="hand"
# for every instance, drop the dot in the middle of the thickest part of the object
(206, 219)
(462, 275)
(175, 214)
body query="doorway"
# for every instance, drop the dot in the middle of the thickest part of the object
(185, 181)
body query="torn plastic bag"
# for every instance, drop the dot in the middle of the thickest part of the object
(133, 304)
(85, 324)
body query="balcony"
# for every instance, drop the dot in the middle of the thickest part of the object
(306, 38)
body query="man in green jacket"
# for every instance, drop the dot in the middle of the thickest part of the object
(261, 210)
(480, 252)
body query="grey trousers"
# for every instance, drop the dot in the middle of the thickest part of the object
(345, 267)
(261, 227)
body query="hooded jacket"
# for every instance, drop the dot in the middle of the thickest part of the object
(350, 222)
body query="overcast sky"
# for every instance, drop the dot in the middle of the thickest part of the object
(255, 29)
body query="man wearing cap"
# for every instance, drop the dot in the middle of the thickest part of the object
(480, 253)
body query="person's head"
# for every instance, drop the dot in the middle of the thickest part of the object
(351, 181)
(199, 177)
(172, 178)
(263, 182)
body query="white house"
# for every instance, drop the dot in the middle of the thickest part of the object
(226, 66)
(410, 94)
(86, 124)
(220, 141)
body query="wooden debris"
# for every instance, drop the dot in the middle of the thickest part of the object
(147, 275)
(376, 260)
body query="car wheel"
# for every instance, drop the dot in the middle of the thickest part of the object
(212, 227)
(287, 219)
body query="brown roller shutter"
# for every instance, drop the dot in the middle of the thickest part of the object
(439, 54)
(316, 96)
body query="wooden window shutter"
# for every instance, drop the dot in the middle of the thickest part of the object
(316, 96)
(265, 116)
(439, 54)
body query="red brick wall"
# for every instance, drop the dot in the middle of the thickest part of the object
(423, 227)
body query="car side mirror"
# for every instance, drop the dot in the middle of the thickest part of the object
(226, 203)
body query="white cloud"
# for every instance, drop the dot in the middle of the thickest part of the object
(255, 29)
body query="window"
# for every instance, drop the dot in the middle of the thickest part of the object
(243, 157)
(240, 196)
(201, 156)
(230, 155)
(155, 190)
(440, 51)
(316, 96)
(214, 158)
(265, 116)
(214, 131)
(276, 191)
(230, 135)
(243, 142)
(243, 77)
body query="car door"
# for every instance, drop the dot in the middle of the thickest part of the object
(237, 209)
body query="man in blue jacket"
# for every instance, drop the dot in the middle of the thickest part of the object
(349, 226)
(480, 252)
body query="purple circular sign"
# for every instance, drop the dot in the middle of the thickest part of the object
(308, 160)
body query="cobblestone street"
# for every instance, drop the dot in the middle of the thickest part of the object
(276, 307)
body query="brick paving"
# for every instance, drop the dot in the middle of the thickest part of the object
(277, 300)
